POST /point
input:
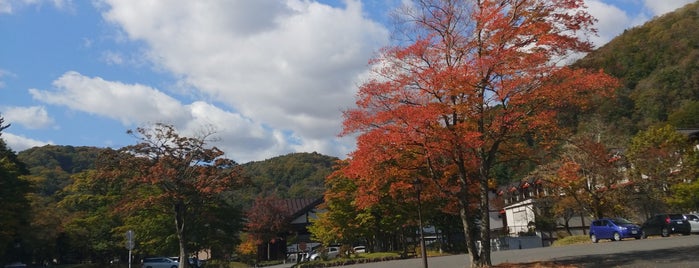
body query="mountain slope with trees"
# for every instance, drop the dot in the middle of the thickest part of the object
(296, 175)
(69, 204)
(658, 64)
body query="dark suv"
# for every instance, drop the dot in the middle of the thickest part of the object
(665, 225)
(614, 229)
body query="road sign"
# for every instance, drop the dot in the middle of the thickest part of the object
(130, 240)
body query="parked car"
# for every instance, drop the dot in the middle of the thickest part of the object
(614, 229)
(159, 262)
(330, 252)
(693, 222)
(359, 249)
(193, 262)
(665, 225)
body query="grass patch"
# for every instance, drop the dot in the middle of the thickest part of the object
(571, 240)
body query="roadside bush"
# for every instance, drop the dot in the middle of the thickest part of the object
(364, 258)
(571, 240)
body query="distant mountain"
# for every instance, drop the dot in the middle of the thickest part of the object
(70, 159)
(296, 175)
(658, 64)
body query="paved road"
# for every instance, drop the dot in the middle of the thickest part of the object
(675, 252)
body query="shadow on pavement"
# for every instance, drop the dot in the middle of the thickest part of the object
(641, 258)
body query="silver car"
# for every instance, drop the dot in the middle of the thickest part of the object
(159, 262)
(693, 222)
(331, 253)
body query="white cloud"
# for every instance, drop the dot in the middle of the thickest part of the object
(660, 7)
(33, 117)
(129, 104)
(616, 16)
(19, 143)
(10, 6)
(611, 21)
(3, 73)
(291, 66)
(112, 58)
(134, 104)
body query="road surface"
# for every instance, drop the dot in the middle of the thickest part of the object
(675, 252)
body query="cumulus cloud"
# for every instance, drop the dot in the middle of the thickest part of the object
(19, 143)
(657, 7)
(10, 6)
(33, 117)
(613, 19)
(610, 18)
(133, 104)
(128, 103)
(112, 58)
(291, 66)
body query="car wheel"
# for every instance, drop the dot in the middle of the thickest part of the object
(664, 232)
(593, 238)
(643, 234)
(616, 237)
(638, 237)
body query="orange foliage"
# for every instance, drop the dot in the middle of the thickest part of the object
(479, 77)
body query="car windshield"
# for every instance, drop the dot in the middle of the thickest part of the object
(621, 221)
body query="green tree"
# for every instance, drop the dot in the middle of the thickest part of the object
(660, 158)
(685, 196)
(339, 223)
(178, 176)
(90, 226)
(14, 206)
(687, 116)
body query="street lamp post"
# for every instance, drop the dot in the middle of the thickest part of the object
(423, 251)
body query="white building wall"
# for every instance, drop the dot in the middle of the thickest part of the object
(519, 215)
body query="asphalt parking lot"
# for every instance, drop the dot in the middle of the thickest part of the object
(675, 251)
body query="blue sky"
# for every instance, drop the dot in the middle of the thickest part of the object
(269, 77)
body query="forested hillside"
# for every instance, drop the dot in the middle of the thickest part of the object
(73, 201)
(658, 65)
(51, 166)
(297, 175)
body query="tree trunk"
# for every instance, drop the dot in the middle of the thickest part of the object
(485, 225)
(180, 210)
(468, 219)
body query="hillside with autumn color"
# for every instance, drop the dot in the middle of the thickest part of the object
(658, 65)
(296, 175)
(568, 130)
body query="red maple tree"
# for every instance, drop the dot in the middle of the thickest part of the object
(173, 174)
(480, 83)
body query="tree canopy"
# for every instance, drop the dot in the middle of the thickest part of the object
(14, 206)
(176, 175)
(477, 83)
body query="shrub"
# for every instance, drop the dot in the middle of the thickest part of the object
(571, 240)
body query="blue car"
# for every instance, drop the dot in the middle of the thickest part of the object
(614, 229)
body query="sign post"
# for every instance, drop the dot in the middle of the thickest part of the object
(130, 243)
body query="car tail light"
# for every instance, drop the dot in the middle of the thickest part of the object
(667, 220)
